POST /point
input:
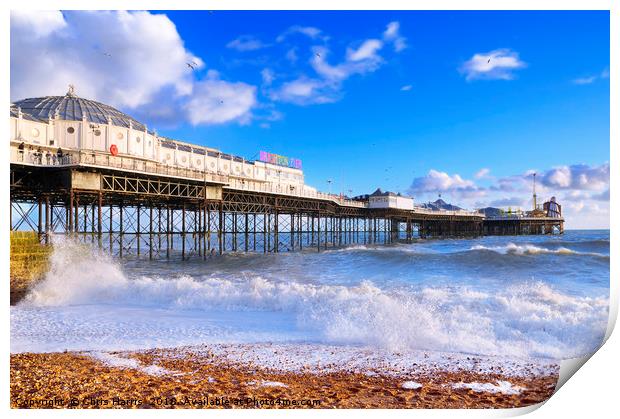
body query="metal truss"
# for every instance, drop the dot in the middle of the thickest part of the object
(153, 187)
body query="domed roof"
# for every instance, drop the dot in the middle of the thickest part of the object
(72, 108)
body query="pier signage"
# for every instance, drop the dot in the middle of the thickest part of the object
(280, 160)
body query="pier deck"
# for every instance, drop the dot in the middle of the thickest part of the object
(135, 207)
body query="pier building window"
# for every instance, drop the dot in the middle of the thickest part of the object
(120, 136)
(97, 132)
(138, 139)
(34, 132)
(70, 130)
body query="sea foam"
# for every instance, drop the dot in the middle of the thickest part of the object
(87, 302)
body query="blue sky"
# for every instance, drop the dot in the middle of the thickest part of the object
(465, 104)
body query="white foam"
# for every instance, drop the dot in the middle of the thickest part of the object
(87, 303)
(321, 358)
(114, 360)
(411, 385)
(504, 387)
(266, 383)
(529, 249)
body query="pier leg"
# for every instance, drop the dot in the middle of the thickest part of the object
(318, 234)
(150, 232)
(183, 233)
(247, 232)
(219, 230)
(121, 229)
(254, 232)
(47, 219)
(292, 232)
(167, 231)
(138, 229)
(276, 240)
(99, 218)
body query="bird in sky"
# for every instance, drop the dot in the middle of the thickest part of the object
(489, 61)
(318, 55)
(107, 54)
(192, 65)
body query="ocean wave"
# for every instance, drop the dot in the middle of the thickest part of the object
(526, 320)
(529, 249)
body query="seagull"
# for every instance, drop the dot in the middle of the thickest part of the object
(318, 55)
(221, 101)
(107, 54)
(489, 61)
(192, 65)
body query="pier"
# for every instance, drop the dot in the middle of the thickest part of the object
(82, 169)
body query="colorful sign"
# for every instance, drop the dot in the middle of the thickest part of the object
(280, 160)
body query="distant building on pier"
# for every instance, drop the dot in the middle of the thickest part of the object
(380, 199)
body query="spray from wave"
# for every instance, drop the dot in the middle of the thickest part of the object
(528, 320)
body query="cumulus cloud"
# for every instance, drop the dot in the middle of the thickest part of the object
(134, 60)
(217, 101)
(246, 43)
(437, 181)
(392, 35)
(577, 177)
(406, 88)
(583, 191)
(104, 54)
(498, 64)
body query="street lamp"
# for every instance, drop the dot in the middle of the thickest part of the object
(329, 181)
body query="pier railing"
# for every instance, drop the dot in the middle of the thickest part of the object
(302, 192)
(48, 157)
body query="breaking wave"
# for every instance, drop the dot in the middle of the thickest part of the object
(526, 320)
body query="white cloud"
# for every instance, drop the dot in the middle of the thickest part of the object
(364, 63)
(513, 201)
(482, 173)
(103, 53)
(326, 86)
(268, 76)
(37, 24)
(133, 60)
(392, 35)
(305, 91)
(368, 50)
(246, 43)
(291, 55)
(577, 177)
(583, 192)
(497, 64)
(591, 79)
(309, 31)
(585, 80)
(217, 101)
(406, 88)
(436, 181)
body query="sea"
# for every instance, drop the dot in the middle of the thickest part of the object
(511, 296)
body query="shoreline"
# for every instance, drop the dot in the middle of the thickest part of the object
(275, 376)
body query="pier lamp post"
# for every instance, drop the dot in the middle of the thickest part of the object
(329, 182)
